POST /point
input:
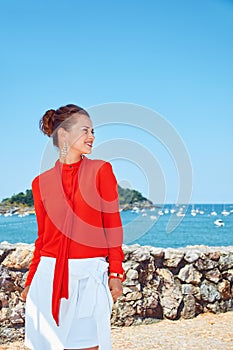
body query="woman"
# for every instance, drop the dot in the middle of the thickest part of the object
(76, 272)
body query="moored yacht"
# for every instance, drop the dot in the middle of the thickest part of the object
(225, 212)
(219, 222)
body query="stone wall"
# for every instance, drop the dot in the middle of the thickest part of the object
(161, 283)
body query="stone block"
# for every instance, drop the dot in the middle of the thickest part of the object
(209, 292)
(224, 289)
(165, 275)
(170, 300)
(205, 264)
(172, 258)
(226, 261)
(132, 274)
(18, 259)
(190, 289)
(189, 274)
(213, 275)
(189, 308)
(141, 254)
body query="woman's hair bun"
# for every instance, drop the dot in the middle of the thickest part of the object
(46, 122)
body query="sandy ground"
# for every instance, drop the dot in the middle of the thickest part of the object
(207, 331)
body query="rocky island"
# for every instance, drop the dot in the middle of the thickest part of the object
(22, 203)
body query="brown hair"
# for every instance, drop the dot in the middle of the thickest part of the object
(53, 119)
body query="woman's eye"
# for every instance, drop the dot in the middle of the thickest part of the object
(86, 131)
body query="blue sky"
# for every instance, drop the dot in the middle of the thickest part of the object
(173, 57)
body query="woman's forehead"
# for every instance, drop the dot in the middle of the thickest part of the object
(83, 120)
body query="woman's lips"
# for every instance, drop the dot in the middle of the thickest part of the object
(89, 144)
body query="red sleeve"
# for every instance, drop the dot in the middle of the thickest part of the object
(111, 218)
(40, 216)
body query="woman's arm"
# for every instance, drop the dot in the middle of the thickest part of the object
(40, 216)
(112, 224)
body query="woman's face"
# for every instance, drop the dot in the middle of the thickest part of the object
(80, 137)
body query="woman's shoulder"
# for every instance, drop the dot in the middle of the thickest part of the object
(98, 164)
(94, 162)
(45, 174)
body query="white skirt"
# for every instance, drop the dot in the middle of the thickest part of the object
(84, 319)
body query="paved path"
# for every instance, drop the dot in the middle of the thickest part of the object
(207, 332)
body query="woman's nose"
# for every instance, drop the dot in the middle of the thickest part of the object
(91, 135)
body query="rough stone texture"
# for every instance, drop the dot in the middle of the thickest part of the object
(160, 283)
(209, 292)
(191, 255)
(19, 259)
(205, 264)
(213, 275)
(224, 289)
(170, 300)
(189, 274)
(226, 261)
(189, 306)
(172, 258)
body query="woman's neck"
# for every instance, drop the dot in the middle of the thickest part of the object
(70, 159)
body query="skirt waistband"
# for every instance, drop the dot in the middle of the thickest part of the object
(49, 258)
(78, 268)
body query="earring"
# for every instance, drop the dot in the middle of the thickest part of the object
(64, 150)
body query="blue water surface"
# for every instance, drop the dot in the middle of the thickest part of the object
(147, 227)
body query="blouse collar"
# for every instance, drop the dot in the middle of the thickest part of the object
(64, 166)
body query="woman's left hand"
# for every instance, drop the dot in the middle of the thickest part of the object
(115, 286)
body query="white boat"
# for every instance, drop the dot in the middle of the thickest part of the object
(219, 222)
(135, 210)
(180, 213)
(153, 217)
(7, 214)
(22, 215)
(194, 211)
(225, 212)
(213, 212)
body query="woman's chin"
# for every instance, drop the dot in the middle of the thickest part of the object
(87, 151)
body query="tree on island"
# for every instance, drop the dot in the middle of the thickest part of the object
(126, 197)
(20, 199)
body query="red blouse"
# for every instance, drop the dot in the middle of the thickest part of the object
(78, 217)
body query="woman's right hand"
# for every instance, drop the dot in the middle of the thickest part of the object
(25, 293)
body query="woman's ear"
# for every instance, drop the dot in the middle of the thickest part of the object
(61, 133)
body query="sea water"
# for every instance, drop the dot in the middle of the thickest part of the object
(157, 227)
